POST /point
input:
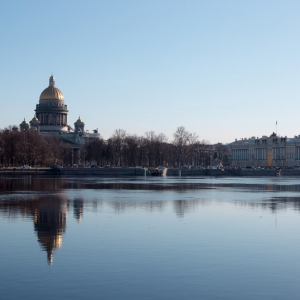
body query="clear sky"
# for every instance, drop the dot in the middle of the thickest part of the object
(223, 69)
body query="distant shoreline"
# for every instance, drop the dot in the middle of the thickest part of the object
(176, 172)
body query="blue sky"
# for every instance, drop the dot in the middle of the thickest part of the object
(223, 69)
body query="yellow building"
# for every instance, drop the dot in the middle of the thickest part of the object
(266, 151)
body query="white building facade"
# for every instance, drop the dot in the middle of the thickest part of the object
(266, 151)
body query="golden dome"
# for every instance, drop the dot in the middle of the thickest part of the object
(52, 92)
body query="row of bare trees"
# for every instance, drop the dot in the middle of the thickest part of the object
(121, 149)
(152, 149)
(28, 147)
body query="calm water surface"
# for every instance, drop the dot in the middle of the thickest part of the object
(154, 238)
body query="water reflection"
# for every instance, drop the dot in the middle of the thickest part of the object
(50, 222)
(78, 209)
(47, 201)
(274, 204)
(49, 215)
(35, 183)
(185, 206)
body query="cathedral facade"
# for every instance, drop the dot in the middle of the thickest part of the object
(51, 111)
(51, 119)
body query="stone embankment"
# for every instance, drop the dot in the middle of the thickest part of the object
(103, 171)
(119, 172)
(18, 171)
(263, 172)
(78, 171)
(196, 172)
(252, 172)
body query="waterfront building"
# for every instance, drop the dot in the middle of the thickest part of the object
(267, 151)
(51, 119)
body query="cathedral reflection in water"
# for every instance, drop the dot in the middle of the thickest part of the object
(49, 214)
(49, 211)
(50, 222)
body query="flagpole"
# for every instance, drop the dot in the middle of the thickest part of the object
(276, 144)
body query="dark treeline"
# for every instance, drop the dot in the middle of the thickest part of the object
(121, 149)
(150, 150)
(28, 147)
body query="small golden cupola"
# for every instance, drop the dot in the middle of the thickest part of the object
(24, 125)
(35, 123)
(79, 125)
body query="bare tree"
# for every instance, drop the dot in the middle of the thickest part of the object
(160, 148)
(181, 140)
(10, 144)
(32, 146)
(204, 153)
(95, 151)
(150, 139)
(192, 149)
(118, 140)
(222, 152)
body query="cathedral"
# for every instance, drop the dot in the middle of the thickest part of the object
(51, 119)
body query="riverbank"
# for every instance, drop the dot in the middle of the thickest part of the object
(120, 172)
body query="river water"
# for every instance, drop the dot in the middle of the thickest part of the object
(149, 238)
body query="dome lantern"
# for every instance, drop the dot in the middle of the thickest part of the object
(51, 80)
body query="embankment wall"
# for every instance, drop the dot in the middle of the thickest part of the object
(110, 172)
